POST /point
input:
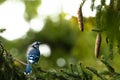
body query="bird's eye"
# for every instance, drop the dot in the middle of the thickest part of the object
(37, 43)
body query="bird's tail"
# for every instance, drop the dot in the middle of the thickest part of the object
(28, 69)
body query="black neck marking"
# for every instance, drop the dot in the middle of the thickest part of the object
(34, 47)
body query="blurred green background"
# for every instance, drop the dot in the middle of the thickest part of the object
(63, 42)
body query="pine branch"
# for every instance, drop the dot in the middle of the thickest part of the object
(9, 55)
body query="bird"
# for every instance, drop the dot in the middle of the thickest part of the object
(33, 55)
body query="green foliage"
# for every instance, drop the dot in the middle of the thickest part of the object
(107, 22)
(8, 70)
(2, 30)
(1, 1)
(66, 41)
(31, 8)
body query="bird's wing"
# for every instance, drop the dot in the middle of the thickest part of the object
(33, 55)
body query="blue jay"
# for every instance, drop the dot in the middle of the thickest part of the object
(33, 55)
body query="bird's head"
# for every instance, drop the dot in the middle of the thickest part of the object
(36, 44)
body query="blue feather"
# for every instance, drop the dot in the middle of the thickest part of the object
(28, 69)
(33, 55)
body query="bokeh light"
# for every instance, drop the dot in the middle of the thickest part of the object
(61, 62)
(37, 24)
(45, 50)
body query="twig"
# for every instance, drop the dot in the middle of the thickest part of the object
(109, 67)
(2, 47)
(6, 52)
(15, 59)
(95, 72)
